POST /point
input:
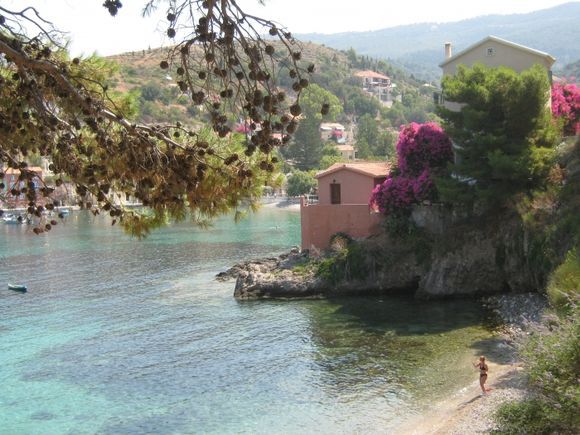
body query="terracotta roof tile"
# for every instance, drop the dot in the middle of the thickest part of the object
(372, 75)
(17, 171)
(372, 169)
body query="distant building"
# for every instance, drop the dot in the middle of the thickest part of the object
(12, 181)
(494, 52)
(331, 131)
(344, 191)
(378, 85)
(347, 152)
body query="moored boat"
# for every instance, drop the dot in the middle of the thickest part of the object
(17, 287)
(12, 219)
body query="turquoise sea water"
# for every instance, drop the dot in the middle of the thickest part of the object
(120, 336)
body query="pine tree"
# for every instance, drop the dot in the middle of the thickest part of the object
(503, 135)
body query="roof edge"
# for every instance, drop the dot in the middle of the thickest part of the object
(501, 41)
(332, 170)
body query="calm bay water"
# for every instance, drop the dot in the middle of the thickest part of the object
(120, 336)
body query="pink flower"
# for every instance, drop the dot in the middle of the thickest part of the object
(423, 146)
(421, 149)
(566, 105)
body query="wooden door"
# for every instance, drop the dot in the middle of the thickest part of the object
(335, 193)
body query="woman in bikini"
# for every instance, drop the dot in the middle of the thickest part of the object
(482, 366)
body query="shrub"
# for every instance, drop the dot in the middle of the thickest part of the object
(346, 264)
(300, 183)
(394, 195)
(566, 105)
(552, 356)
(421, 147)
(564, 284)
(527, 417)
(422, 151)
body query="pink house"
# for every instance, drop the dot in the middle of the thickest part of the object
(344, 190)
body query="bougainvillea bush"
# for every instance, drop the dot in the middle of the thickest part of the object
(566, 106)
(422, 151)
(422, 146)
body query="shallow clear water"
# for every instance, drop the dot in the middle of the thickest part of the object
(117, 335)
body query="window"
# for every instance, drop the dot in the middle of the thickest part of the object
(490, 51)
(335, 193)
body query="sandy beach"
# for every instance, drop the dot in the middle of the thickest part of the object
(286, 204)
(467, 411)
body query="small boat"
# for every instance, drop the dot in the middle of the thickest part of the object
(17, 287)
(12, 219)
(63, 212)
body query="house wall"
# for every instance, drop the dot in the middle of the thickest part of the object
(504, 55)
(325, 135)
(320, 222)
(355, 188)
(511, 57)
(11, 180)
(347, 154)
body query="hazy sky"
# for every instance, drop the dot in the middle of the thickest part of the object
(92, 28)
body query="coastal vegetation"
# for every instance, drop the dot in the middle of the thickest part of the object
(63, 109)
(551, 357)
(504, 134)
(423, 150)
(551, 354)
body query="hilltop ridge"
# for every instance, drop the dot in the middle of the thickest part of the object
(419, 47)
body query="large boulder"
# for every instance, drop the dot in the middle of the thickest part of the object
(279, 284)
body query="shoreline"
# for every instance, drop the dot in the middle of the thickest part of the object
(466, 411)
(285, 204)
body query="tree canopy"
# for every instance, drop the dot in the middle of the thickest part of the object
(306, 148)
(300, 183)
(61, 108)
(503, 134)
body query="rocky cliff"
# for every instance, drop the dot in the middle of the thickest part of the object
(442, 253)
(449, 256)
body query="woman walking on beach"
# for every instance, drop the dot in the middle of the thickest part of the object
(482, 366)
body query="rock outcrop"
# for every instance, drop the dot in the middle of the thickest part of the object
(454, 258)
(486, 258)
(447, 253)
(282, 284)
(273, 277)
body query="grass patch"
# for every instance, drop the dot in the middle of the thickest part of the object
(564, 284)
(346, 264)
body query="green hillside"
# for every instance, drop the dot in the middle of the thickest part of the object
(161, 101)
(571, 71)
